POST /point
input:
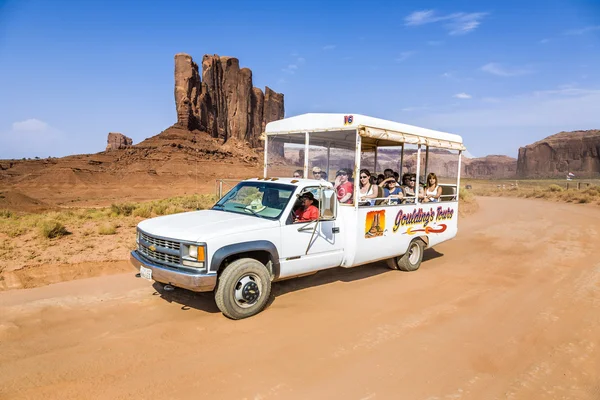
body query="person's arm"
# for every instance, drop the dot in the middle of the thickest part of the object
(313, 213)
(385, 181)
(372, 195)
(439, 192)
(346, 197)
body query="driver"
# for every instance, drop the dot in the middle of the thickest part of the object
(308, 211)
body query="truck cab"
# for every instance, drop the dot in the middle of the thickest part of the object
(251, 238)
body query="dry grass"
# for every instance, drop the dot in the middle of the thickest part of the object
(549, 189)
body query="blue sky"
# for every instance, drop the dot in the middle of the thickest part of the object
(502, 74)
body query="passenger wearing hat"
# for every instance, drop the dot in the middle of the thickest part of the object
(308, 211)
(344, 188)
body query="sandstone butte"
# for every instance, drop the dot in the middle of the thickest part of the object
(577, 152)
(117, 141)
(222, 100)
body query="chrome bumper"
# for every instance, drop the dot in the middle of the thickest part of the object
(185, 280)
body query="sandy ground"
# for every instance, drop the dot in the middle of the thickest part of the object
(510, 309)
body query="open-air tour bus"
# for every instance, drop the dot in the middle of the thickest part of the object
(341, 148)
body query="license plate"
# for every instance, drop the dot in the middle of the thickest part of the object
(146, 273)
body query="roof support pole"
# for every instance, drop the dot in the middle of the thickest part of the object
(266, 158)
(426, 164)
(306, 139)
(400, 165)
(328, 158)
(357, 169)
(458, 175)
(418, 172)
(375, 167)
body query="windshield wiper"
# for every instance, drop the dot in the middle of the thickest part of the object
(251, 210)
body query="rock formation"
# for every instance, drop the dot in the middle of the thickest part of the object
(490, 167)
(557, 155)
(117, 141)
(223, 102)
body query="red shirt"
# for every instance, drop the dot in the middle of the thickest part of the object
(344, 189)
(310, 214)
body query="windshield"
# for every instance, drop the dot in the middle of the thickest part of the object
(261, 199)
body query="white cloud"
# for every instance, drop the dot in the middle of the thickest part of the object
(497, 69)
(404, 56)
(457, 23)
(544, 41)
(463, 96)
(32, 138)
(290, 69)
(582, 31)
(30, 125)
(329, 47)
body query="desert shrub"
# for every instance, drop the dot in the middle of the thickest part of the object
(465, 195)
(6, 214)
(160, 208)
(555, 188)
(144, 211)
(52, 229)
(174, 210)
(107, 229)
(122, 209)
(584, 199)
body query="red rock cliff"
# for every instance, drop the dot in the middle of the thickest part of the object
(557, 155)
(223, 102)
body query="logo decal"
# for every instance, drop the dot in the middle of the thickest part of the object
(348, 119)
(375, 224)
(152, 247)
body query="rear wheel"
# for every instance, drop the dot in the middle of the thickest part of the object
(243, 288)
(411, 260)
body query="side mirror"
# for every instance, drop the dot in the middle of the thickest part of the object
(328, 202)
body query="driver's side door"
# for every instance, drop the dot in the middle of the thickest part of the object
(311, 246)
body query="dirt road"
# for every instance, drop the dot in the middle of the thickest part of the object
(510, 309)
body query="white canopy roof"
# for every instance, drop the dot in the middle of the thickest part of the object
(373, 130)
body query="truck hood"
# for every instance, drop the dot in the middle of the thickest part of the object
(199, 226)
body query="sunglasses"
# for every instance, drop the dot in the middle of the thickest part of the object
(363, 177)
(296, 176)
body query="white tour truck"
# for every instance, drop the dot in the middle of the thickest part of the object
(249, 238)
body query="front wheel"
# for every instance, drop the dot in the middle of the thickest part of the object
(243, 289)
(411, 260)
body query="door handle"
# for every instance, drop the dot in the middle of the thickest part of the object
(335, 229)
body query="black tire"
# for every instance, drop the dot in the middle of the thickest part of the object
(411, 260)
(236, 294)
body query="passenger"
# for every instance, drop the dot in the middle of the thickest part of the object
(368, 191)
(433, 190)
(308, 211)
(344, 188)
(324, 176)
(397, 177)
(388, 173)
(380, 178)
(298, 173)
(316, 173)
(409, 181)
(393, 192)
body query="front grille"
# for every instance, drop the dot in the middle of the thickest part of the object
(157, 256)
(167, 244)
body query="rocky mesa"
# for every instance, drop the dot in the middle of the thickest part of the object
(221, 99)
(577, 152)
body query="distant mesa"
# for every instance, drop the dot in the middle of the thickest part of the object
(222, 100)
(117, 141)
(490, 167)
(576, 152)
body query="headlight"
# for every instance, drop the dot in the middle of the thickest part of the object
(137, 237)
(193, 252)
(194, 256)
